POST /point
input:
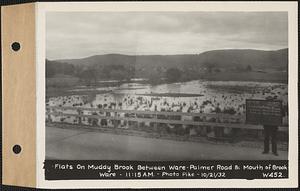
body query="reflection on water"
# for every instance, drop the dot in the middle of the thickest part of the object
(203, 96)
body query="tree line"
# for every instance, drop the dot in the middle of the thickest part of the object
(93, 74)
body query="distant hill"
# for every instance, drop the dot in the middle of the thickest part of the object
(230, 58)
(216, 64)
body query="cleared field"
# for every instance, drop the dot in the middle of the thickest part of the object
(71, 144)
(62, 81)
(274, 76)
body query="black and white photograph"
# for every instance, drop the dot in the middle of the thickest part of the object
(167, 95)
(167, 86)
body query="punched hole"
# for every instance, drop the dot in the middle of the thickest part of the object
(15, 46)
(17, 149)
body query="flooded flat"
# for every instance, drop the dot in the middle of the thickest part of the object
(192, 97)
(189, 95)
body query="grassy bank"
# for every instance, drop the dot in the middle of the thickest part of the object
(274, 77)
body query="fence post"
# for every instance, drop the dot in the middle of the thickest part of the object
(155, 123)
(49, 115)
(79, 118)
(115, 121)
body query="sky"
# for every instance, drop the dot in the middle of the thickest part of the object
(82, 34)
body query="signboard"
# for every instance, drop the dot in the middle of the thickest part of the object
(264, 112)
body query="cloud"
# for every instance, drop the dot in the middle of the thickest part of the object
(82, 34)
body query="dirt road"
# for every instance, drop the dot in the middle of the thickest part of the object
(92, 145)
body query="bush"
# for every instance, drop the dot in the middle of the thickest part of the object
(173, 74)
